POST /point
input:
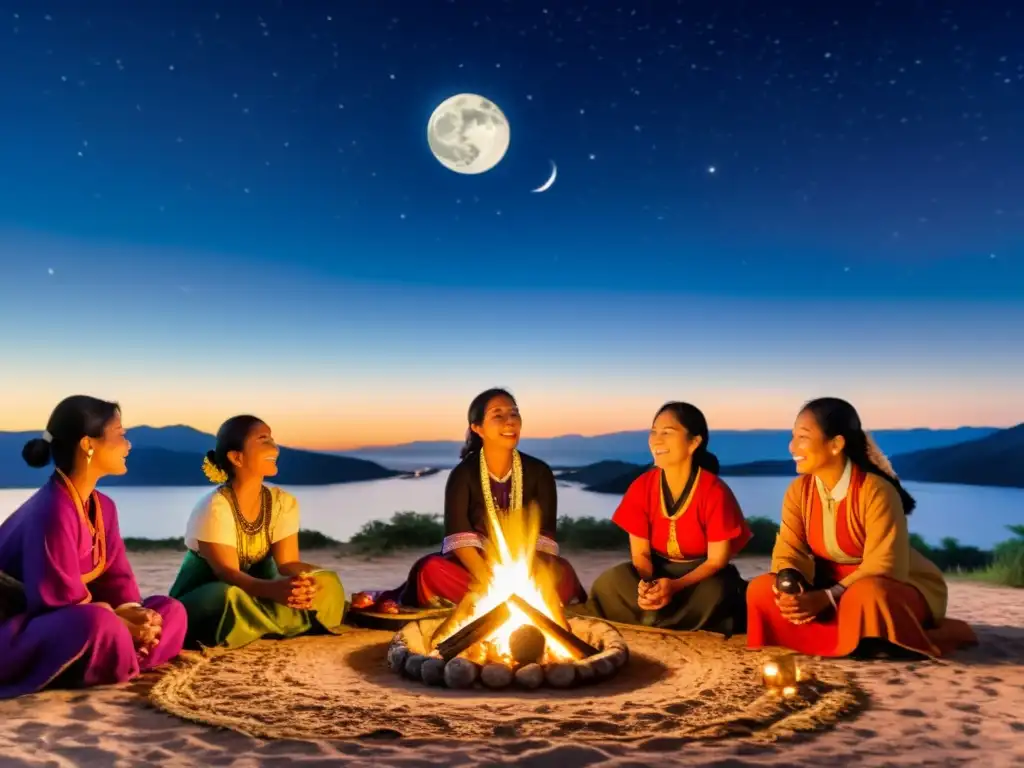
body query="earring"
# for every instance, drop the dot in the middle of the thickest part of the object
(88, 457)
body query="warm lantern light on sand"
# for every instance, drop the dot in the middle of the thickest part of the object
(783, 674)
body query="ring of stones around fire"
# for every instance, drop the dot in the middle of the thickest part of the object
(408, 655)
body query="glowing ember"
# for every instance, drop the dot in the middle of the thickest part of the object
(514, 570)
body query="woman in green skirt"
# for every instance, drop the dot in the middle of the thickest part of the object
(242, 578)
(684, 529)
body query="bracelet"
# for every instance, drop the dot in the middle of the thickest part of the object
(831, 598)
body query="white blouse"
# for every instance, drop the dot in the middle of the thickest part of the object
(213, 521)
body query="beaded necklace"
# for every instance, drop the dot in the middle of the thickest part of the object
(97, 533)
(515, 497)
(248, 533)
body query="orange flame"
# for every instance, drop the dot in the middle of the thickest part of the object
(514, 570)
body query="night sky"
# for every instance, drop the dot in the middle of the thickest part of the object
(240, 198)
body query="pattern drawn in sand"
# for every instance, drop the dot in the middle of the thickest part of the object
(966, 712)
(685, 686)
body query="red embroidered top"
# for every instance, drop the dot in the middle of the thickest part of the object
(709, 513)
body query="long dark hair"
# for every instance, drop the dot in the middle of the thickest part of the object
(231, 437)
(74, 417)
(475, 417)
(692, 420)
(836, 417)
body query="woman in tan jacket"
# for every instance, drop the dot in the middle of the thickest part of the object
(844, 546)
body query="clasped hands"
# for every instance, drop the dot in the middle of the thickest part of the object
(802, 608)
(145, 626)
(296, 592)
(655, 594)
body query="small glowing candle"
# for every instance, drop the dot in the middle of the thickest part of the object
(782, 674)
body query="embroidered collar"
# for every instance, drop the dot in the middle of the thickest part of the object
(842, 488)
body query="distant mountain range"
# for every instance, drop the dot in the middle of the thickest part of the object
(173, 456)
(731, 447)
(994, 460)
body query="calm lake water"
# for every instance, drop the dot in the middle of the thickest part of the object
(974, 515)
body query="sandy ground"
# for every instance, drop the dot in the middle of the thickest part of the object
(968, 711)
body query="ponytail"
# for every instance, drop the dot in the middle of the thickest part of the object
(473, 444)
(706, 460)
(874, 462)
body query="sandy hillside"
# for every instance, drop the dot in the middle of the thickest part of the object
(969, 711)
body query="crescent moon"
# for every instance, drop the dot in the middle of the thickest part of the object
(551, 179)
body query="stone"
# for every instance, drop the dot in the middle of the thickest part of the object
(460, 673)
(414, 665)
(432, 671)
(397, 654)
(527, 644)
(560, 675)
(585, 671)
(603, 666)
(496, 676)
(619, 656)
(530, 676)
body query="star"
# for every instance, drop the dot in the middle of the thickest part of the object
(712, 170)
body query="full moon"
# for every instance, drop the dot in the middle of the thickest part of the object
(468, 133)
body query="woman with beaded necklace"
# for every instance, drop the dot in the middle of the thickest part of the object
(242, 578)
(492, 479)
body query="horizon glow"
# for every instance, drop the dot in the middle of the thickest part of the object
(336, 364)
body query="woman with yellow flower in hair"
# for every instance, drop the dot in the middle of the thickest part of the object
(242, 578)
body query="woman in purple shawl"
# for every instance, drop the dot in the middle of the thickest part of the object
(70, 610)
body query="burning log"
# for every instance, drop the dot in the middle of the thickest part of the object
(477, 630)
(576, 646)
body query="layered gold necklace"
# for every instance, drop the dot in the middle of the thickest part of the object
(252, 538)
(515, 500)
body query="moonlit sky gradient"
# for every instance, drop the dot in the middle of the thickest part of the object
(209, 210)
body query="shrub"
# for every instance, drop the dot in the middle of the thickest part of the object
(316, 540)
(951, 555)
(1007, 566)
(591, 533)
(405, 530)
(763, 530)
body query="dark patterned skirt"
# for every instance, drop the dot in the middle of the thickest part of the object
(716, 604)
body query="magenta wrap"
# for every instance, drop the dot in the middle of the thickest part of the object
(63, 637)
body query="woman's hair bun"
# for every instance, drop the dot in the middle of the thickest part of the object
(36, 453)
(212, 456)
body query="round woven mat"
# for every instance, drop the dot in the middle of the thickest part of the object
(676, 685)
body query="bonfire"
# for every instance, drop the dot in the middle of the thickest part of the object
(516, 615)
(511, 626)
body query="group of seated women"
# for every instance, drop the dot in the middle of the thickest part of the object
(71, 613)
